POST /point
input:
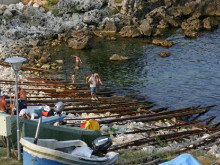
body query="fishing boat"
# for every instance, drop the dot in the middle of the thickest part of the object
(51, 151)
(57, 114)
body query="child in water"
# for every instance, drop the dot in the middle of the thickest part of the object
(73, 78)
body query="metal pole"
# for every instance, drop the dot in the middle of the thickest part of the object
(17, 113)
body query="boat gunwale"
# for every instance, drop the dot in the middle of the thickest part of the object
(48, 153)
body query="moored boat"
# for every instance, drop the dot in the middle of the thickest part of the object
(51, 151)
(45, 119)
(48, 115)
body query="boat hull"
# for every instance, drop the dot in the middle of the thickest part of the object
(39, 155)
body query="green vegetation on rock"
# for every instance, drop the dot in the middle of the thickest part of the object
(55, 11)
(51, 3)
(118, 1)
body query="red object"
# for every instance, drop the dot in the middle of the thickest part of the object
(84, 124)
(91, 124)
(45, 113)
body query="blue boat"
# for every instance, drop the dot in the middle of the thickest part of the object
(58, 115)
(54, 152)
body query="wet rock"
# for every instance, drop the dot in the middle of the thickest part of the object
(145, 28)
(78, 43)
(209, 23)
(192, 23)
(129, 31)
(164, 54)
(191, 33)
(111, 38)
(116, 57)
(163, 43)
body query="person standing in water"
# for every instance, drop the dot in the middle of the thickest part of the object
(73, 77)
(78, 60)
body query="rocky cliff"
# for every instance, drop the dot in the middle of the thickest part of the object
(29, 29)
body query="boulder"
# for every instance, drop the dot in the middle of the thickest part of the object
(164, 54)
(79, 6)
(163, 43)
(209, 23)
(191, 33)
(192, 23)
(92, 17)
(108, 25)
(145, 27)
(129, 31)
(116, 57)
(78, 43)
(161, 13)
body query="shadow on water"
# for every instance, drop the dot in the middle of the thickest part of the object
(189, 77)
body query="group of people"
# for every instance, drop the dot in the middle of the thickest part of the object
(22, 103)
(92, 80)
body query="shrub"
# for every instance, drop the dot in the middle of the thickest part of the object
(52, 2)
(7, 17)
(55, 11)
(118, 1)
(114, 11)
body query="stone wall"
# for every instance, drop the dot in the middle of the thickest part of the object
(7, 2)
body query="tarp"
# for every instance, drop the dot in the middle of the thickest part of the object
(183, 159)
(47, 131)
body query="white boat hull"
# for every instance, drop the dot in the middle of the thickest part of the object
(49, 119)
(45, 153)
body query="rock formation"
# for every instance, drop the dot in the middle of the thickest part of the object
(28, 27)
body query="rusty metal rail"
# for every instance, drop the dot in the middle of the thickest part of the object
(167, 137)
(161, 115)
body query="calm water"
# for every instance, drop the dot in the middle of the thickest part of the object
(189, 77)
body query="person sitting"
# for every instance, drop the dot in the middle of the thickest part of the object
(3, 104)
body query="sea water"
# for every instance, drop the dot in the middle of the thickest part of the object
(190, 76)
